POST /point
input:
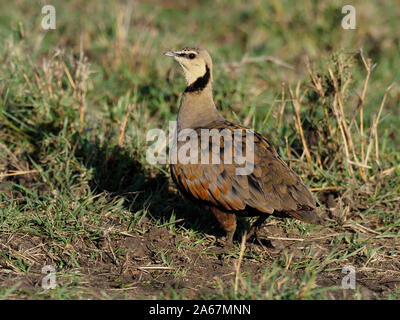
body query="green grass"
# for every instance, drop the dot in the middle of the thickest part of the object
(77, 192)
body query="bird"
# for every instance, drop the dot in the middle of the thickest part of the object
(271, 188)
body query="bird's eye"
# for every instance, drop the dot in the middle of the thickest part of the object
(192, 56)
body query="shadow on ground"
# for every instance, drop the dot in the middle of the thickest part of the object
(118, 172)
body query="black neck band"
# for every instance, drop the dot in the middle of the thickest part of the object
(200, 83)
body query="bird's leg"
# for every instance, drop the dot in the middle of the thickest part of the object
(228, 223)
(229, 239)
(255, 227)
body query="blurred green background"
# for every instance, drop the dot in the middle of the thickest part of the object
(124, 41)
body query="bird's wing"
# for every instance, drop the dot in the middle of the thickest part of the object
(279, 181)
(271, 186)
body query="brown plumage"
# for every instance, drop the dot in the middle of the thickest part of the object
(271, 188)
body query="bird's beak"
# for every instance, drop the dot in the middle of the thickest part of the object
(170, 54)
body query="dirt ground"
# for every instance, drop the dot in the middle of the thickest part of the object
(142, 274)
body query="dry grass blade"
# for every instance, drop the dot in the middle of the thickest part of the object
(374, 128)
(346, 148)
(317, 86)
(358, 227)
(341, 120)
(282, 107)
(30, 259)
(155, 268)
(125, 120)
(339, 94)
(296, 106)
(239, 261)
(361, 165)
(17, 173)
(330, 188)
(369, 67)
(285, 239)
(71, 81)
(288, 151)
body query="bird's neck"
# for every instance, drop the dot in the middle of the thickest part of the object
(197, 107)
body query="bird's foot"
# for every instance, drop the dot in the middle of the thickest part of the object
(265, 244)
(222, 247)
(226, 244)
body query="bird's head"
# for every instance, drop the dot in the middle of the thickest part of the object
(195, 62)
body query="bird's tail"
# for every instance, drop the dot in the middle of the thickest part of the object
(310, 216)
